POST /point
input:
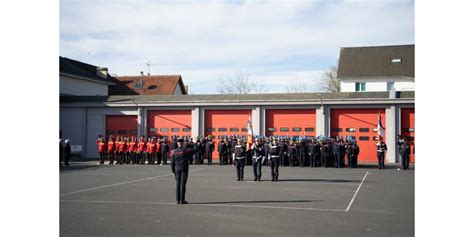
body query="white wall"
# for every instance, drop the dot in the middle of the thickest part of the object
(378, 84)
(75, 86)
(72, 124)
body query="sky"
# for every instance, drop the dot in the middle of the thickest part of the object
(275, 43)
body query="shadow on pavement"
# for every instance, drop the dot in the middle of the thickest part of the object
(264, 201)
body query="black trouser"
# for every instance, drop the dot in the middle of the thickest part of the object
(158, 158)
(102, 156)
(164, 155)
(274, 166)
(257, 168)
(302, 159)
(121, 157)
(342, 158)
(229, 157)
(196, 158)
(142, 158)
(267, 159)
(111, 157)
(221, 158)
(312, 160)
(291, 159)
(317, 159)
(350, 160)
(240, 165)
(380, 158)
(66, 159)
(181, 177)
(324, 160)
(336, 160)
(209, 157)
(405, 162)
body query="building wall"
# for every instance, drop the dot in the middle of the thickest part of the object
(72, 123)
(74, 86)
(378, 84)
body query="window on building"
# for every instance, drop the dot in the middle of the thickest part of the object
(360, 86)
(364, 129)
(271, 129)
(350, 129)
(186, 130)
(108, 132)
(211, 129)
(152, 129)
(234, 129)
(396, 61)
(245, 130)
(222, 129)
(364, 138)
(284, 129)
(296, 129)
(309, 129)
(336, 129)
(175, 129)
(164, 129)
(133, 132)
(408, 129)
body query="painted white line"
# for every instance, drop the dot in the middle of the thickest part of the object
(355, 194)
(126, 182)
(210, 204)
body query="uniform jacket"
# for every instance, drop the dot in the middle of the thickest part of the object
(179, 161)
(102, 146)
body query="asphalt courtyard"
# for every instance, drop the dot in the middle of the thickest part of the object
(134, 200)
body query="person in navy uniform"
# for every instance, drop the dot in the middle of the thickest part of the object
(405, 154)
(180, 169)
(209, 149)
(381, 148)
(239, 161)
(275, 160)
(222, 149)
(67, 152)
(258, 153)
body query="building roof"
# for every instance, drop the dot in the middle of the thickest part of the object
(147, 85)
(376, 61)
(79, 69)
(223, 98)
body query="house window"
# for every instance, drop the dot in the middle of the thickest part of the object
(175, 129)
(271, 129)
(396, 61)
(245, 130)
(296, 129)
(309, 129)
(360, 86)
(234, 129)
(364, 129)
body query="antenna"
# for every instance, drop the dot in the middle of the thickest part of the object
(149, 64)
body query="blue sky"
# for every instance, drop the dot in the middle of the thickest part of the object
(275, 42)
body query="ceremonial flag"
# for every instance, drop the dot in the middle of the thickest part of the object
(250, 132)
(380, 128)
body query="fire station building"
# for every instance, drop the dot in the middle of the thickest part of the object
(353, 112)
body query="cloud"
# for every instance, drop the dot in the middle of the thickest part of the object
(198, 40)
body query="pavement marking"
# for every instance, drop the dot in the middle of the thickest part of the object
(355, 194)
(197, 204)
(126, 182)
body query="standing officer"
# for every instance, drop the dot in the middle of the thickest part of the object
(325, 154)
(165, 149)
(356, 153)
(341, 154)
(132, 150)
(303, 152)
(180, 169)
(222, 149)
(239, 160)
(381, 148)
(141, 150)
(257, 159)
(317, 154)
(102, 149)
(312, 153)
(350, 154)
(292, 153)
(405, 154)
(275, 160)
(209, 150)
(67, 152)
(197, 147)
(283, 152)
(111, 150)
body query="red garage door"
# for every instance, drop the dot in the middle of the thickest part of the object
(226, 122)
(121, 125)
(408, 128)
(165, 123)
(290, 122)
(361, 123)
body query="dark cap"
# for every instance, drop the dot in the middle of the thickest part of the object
(180, 140)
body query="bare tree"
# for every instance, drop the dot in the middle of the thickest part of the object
(297, 86)
(239, 83)
(332, 84)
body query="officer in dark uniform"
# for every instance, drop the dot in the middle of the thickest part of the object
(61, 153)
(174, 143)
(284, 152)
(292, 153)
(222, 149)
(258, 153)
(381, 148)
(312, 153)
(67, 152)
(317, 154)
(356, 153)
(228, 157)
(209, 149)
(239, 160)
(266, 149)
(303, 152)
(165, 148)
(325, 154)
(180, 169)
(405, 154)
(275, 160)
(341, 153)
(197, 147)
(350, 154)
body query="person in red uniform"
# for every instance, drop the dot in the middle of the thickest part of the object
(132, 147)
(123, 149)
(141, 151)
(102, 149)
(111, 149)
(158, 152)
(117, 152)
(152, 151)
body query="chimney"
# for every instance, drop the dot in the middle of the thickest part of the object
(102, 72)
(148, 74)
(141, 72)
